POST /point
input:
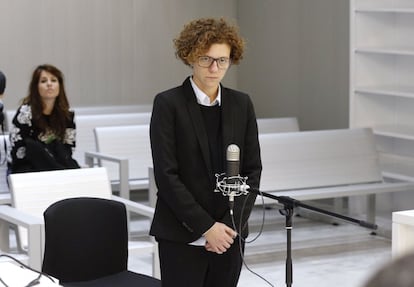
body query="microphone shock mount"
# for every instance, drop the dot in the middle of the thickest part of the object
(231, 185)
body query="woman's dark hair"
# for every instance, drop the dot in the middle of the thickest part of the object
(60, 113)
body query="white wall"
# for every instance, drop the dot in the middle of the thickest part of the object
(297, 60)
(120, 52)
(112, 52)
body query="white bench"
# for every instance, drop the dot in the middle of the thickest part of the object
(116, 109)
(277, 125)
(8, 117)
(85, 124)
(313, 165)
(33, 192)
(4, 188)
(126, 153)
(93, 110)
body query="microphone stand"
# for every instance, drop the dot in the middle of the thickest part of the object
(289, 205)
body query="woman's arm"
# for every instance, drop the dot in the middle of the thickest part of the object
(70, 132)
(20, 130)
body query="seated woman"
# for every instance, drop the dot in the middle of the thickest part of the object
(42, 134)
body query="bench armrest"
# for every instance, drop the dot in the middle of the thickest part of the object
(15, 216)
(5, 198)
(34, 225)
(136, 207)
(90, 157)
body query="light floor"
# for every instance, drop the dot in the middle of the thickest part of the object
(323, 254)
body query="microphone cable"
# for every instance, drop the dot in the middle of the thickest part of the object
(241, 240)
(35, 281)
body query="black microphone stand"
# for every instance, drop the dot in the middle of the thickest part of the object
(289, 205)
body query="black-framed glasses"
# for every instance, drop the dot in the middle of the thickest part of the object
(207, 61)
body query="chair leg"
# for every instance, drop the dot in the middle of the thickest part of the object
(156, 272)
(5, 236)
(371, 206)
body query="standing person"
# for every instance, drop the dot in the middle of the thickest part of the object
(2, 88)
(2, 84)
(42, 135)
(2, 117)
(191, 127)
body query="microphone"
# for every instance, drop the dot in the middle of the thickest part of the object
(231, 184)
(233, 170)
(233, 160)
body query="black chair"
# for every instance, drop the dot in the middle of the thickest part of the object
(86, 244)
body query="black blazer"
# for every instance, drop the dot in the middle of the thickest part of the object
(187, 205)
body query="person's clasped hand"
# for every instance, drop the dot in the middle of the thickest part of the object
(219, 238)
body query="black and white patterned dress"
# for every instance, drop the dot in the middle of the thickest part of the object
(23, 128)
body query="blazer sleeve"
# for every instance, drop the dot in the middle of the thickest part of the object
(172, 191)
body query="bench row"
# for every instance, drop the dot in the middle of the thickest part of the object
(307, 165)
(303, 165)
(115, 140)
(126, 151)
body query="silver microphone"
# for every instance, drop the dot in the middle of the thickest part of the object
(233, 167)
(233, 160)
(231, 184)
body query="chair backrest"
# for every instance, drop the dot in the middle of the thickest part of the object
(310, 159)
(33, 192)
(277, 125)
(85, 124)
(85, 239)
(131, 142)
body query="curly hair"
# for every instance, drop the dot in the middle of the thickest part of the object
(198, 35)
(60, 113)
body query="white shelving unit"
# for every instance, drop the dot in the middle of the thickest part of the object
(382, 79)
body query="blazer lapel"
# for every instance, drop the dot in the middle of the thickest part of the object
(198, 123)
(227, 120)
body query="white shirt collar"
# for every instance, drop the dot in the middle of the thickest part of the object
(202, 98)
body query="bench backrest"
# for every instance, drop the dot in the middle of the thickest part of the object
(4, 139)
(85, 124)
(312, 159)
(130, 142)
(277, 125)
(33, 192)
(8, 118)
(95, 110)
(114, 109)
